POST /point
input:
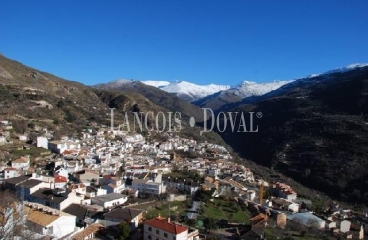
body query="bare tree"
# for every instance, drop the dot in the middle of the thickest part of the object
(12, 220)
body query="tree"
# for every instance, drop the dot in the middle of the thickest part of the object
(191, 222)
(11, 218)
(124, 231)
(210, 224)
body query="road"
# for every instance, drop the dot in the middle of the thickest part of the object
(193, 211)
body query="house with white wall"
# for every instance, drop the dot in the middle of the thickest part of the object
(49, 222)
(42, 142)
(57, 199)
(2, 140)
(146, 186)
(11, 173)
(61, 171)
(110, 200)
(160, 228)
(26, 188)
(112, 184)
(92, 192)
(21, 163)
(23, 138)
(60, 181)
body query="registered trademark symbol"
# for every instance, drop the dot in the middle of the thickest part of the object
(259, 114)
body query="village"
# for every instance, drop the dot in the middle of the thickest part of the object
(166, 188)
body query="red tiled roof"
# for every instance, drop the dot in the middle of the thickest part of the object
(10, 168)
(60, 179)
(164, 225)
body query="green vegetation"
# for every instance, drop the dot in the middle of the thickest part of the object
(177, 210)
(124, 231)
(33, 152)
(296, 234)
(184, 174)
(225, 209)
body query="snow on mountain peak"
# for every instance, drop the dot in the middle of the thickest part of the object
(249, 88)
(193, 91)
(158, 84)
(341, 69)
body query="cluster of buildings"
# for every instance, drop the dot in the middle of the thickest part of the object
(84, 187)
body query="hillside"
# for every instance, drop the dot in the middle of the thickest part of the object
(155, 95)
(33, 99)
(30, 97)
(314, 130)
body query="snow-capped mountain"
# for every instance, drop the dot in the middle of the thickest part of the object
(316, 78)
(342, 69)
(158, 84)
(250, 89)
(217, 95)
(190, 91)
(186, 90)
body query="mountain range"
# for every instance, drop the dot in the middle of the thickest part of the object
(220, 97)
(313, 129)
(194, 92)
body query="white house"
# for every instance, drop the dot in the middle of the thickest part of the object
(92, 192)
(112, 184)
(57, 199)
(60, 181)
(2, 139)
(45, 221)
(42, 142)
(23, 138)
(148, 186)
(61, 172)
(160, 228)
(11, 173)
(345, 226)
(60, 146)
(72, 166)
(21, 163)
(110, 200)
(26, 188)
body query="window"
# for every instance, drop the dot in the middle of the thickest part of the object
(165, 235)
(174, 238)
(158, 232)
(149, 229)
(149, 237)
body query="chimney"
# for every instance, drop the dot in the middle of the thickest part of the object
(168, 219)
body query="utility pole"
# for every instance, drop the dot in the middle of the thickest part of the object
(261, 193)
(169, 209)
(112, 119)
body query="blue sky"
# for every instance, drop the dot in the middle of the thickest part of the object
(201, 41)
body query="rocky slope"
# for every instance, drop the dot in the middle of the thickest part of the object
(314, 130)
